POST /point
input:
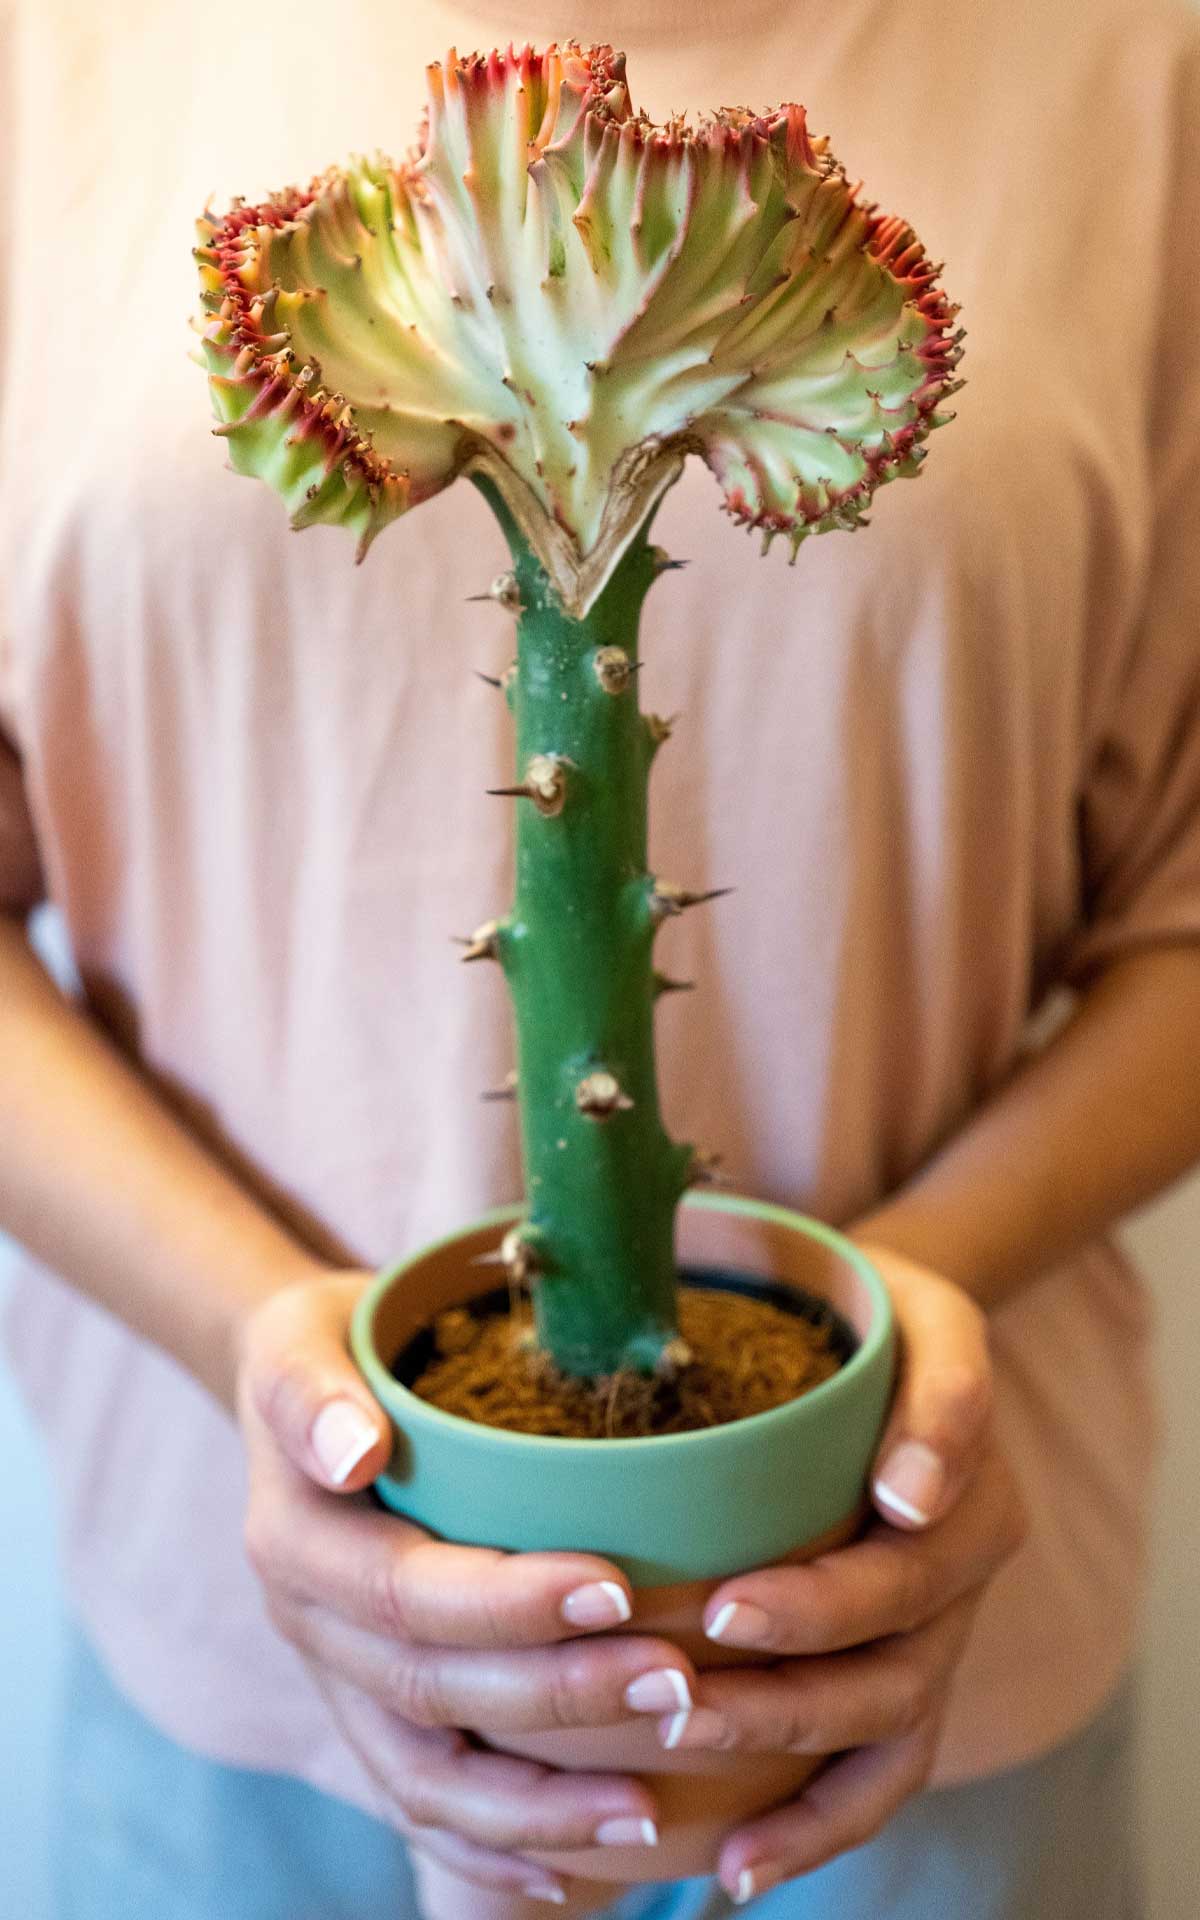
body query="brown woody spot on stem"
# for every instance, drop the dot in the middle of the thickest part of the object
(614, 669)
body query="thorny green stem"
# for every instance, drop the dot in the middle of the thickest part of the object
(603, 1180)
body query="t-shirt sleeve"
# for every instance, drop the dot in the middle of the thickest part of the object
(1139, 804)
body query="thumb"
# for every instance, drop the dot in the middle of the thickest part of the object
(942, 1411)
(301, 1384)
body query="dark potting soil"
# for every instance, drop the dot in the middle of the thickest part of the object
(749, 1353)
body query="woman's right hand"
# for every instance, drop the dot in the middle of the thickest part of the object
(411, 1639)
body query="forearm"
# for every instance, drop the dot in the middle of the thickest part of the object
(103, 1183)
(1100, 1121)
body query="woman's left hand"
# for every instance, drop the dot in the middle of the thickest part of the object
(867, 1637)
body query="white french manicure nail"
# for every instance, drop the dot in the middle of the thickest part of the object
(911, 1481)
(702, 1727)
(602, 1603)
(627, 1831)
(659, 1691)
(342, 1435)
(540, 1892)
(722, 1620)
(744, 1891)
(740, 1624)
(898, 1504)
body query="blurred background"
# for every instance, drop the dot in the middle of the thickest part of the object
(1165, 1238)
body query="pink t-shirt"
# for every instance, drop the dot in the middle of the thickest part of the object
(947, 764)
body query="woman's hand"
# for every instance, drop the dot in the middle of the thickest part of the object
(867, 1638)
(410, 1639)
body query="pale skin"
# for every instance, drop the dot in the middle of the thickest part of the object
(411, 1639)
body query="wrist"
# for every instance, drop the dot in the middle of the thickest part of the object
(932, 1238)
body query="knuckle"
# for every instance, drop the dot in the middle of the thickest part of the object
(418, 1799)
(914, 1592)
(386, 1599)
(495, 1623)
(572, 1698)
(823, 1617)
(412, 1690)
(914, 1694)
(542, 1823)
(802, 1734)
(278, 1386)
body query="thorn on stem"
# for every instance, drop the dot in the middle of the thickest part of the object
(600, 1095)
(545, 783)
(515, 1254)
(504, 591)
(662, 561)
(507, 1091)
(483, 944)
(668, 899)
(489, 679)
(660, 729)
(519, 1256)
(705, 1169)
(664, 984)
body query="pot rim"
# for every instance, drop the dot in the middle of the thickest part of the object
(393, 1395)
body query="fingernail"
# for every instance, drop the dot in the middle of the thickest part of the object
(699, 1728)
(342, 1435)
(910, 1482)
(744, 1890)
(739, 1625)
(602, 1604)
(659, 1692)
(756, 1880)
(540, 1891)
(627, 1831)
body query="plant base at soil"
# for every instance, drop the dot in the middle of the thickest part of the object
(747, 1357)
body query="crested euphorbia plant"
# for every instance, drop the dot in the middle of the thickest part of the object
(563, 300)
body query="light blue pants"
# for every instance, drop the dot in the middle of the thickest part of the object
(148, 1831)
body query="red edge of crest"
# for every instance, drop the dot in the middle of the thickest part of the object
(272, 367)
(892, 244)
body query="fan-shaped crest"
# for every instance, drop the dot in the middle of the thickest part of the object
(558, 292)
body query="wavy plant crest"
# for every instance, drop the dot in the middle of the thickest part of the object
(558, 294)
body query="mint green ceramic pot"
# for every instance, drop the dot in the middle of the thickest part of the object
(677, 1512)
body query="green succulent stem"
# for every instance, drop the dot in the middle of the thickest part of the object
(603, 1179)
